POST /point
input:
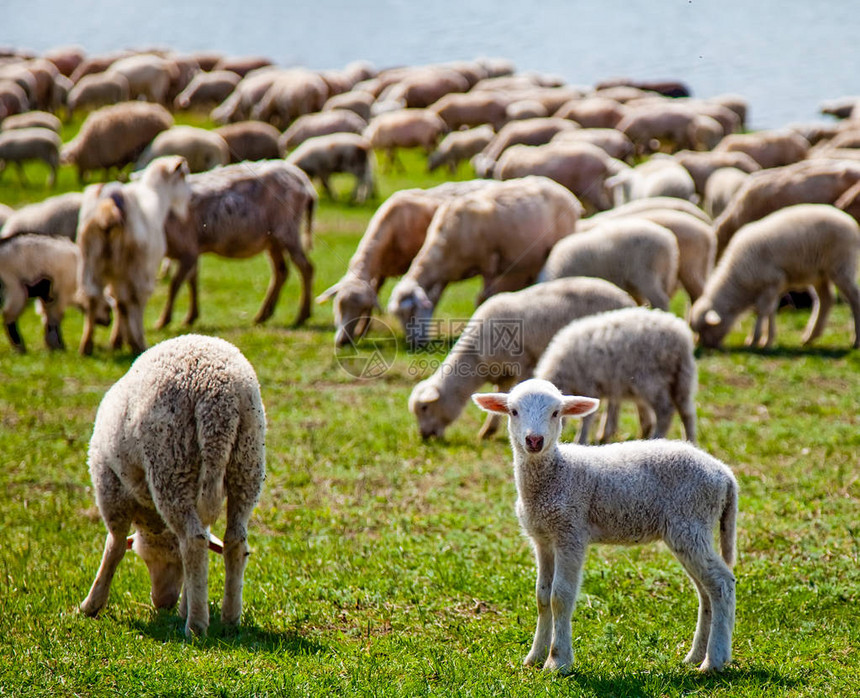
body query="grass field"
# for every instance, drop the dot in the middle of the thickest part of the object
(387, 566)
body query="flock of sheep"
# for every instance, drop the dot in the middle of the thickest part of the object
(589, 204)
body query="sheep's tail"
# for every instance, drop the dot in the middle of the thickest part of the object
(307, 232)
(728, 524)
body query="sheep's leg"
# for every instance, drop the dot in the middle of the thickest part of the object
(646, 419)
(686, 406)
(306, 271)
(16, 299)
(766, 305)
(53, 335)
(718, 583)
(699, 650)
(663, 411)
(115, 547)
(327, 187)
(119, 332)
(609, 423)
(186, 265)
(136, 340)
(279, 276)
(545, 559)
(657, 297)
(844, 281)
(86, 346)
(565, 588)
(193, 307)
(585, 428)
(822, 302)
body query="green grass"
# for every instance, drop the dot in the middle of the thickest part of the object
(387, 566)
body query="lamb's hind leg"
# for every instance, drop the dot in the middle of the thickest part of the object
(569, 558)
(822, 302)
(844, 281)
(306, 271)
(279, 276)
(545, 559)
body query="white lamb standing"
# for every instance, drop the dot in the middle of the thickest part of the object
(503, 342)
(570, 496)
(806, 246)
(629, 354)
(181, 432)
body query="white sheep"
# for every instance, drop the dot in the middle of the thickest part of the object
(502, 343)
(178, 434)
(570, 496)
(56, 215)
(659, 176)
(21, 145)
(720, 187)
(806, 246)
(633, 253)
(202, 149)
(631, 354)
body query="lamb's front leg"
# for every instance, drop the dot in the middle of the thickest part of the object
(545, 558)
(569, 559)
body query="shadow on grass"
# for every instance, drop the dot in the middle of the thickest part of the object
(683, 681)
(780, 351)
(167, 626)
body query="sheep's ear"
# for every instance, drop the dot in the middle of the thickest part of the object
(216, 545)
(328, 294)
(492, 402)
(576, 406)
(712, 318)
(129, 542)
(430, 393)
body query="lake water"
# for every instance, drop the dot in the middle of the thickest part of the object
(784, 56)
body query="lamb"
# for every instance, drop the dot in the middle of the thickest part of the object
(181, 432)
(423, 86)
(115, 136)
(635, 254)
(122, 243)
(721, 187)
(582, 168)
(31, 119)
(292, 93)
(41, 267)
(320, 124)
(206, 90)
(322, 156)
(502, 343)
(97, 90)
(526, 109)
(613, 142)
(358, 101)
(21, 145)
(569, 496)
(524, 132)
(502, 232)
(659, 176)
(405, 128)
(649, 126)
(805, 182)
(148, 76)
(775, 148)
(393, 237)
(803, 246)
(593, 112)
(239, 211)
(251, 140)
(701, 165)
(202, 149)
(472, 109)
(458, 146)
(56, 216)
(248, 93)
(630, 354)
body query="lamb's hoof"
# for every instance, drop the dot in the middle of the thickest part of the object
(196, 629)
(694, 658)
(88, 608)
(534, 658)
(559, 665)
(713, 665)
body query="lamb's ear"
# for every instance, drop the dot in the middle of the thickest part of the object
(712, 318)
(328, 294)
(492, 402)
(216, 545)
(430, 393)
(576, 406)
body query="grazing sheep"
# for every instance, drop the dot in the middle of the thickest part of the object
(808, 246)
(630, 354)
(115, 136)
(526, 109)
(570, 496)
(422, 87)
(404, 128)
(97, 64)
(593, 112)
(293, 92)
(148, 76)
(701, 165)
(472, 109)
(41, 267)
(768, 148)
(239, 211)
(650, 204)
(633, 253)
(721, 187)
(524, 132)
(582, 168)
(659, 176)
(251, 140)
(56, 216)
(322, 156)
(207, 90)
(502, 232)
(13, 98)
(805, 182)
(502, 344)
(30, 119)
(393, 237)
(202, 149)
(458, 146)
(65, 58)
(613, 142)
(97, 90)
(242, 65)
(358, 101)
(122, 241)
(320, 124)
(249, 92)
(651, 127)
(181, 432)
(21, 145)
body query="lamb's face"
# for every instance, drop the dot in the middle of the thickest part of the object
(410, 304)
(430, 409)
(163, 561)
(710, 326)
(353, 307)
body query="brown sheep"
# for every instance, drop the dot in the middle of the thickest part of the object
(251, 140)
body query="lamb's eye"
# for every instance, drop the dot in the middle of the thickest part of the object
(555, 414)
(514, 413)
